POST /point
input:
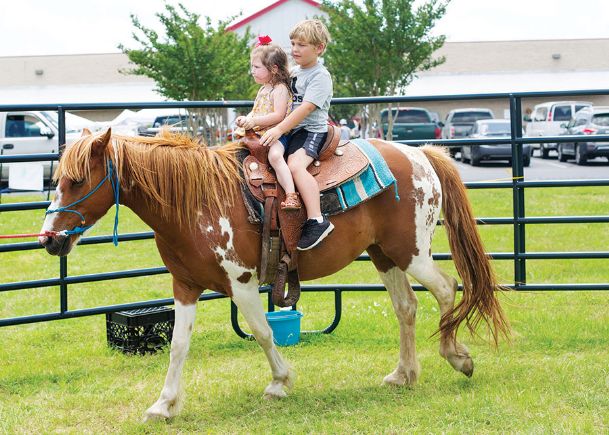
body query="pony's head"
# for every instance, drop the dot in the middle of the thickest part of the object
(85, 192)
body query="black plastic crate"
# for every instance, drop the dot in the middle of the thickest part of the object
(142, 331)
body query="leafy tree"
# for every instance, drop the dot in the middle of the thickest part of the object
(191, 62)
(379, 45)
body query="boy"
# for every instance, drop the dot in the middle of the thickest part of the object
(307, 125)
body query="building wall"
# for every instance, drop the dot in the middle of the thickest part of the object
(67, 69)
(533, 56)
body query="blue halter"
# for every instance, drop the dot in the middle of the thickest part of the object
(82, 228)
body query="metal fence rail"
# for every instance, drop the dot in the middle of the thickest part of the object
(518, 220)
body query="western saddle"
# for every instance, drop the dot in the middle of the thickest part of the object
(338, 161)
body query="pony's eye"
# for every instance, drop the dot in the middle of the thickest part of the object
(78, 182)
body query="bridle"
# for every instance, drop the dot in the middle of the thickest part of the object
(110, 175)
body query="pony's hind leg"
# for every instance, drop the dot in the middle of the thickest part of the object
(444, 288)
(169, 402)
(247, 299)
(404, 303)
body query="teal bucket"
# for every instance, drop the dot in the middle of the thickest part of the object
(285, 326)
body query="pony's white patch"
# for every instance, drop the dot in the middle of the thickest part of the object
(49, 219)
(229, 260)
(203, 223)
(424, 179)
(225, 227)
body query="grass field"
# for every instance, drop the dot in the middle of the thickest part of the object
(553, 376)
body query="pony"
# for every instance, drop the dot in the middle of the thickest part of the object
(189, 194)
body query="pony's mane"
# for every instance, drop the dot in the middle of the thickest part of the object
(176, 175)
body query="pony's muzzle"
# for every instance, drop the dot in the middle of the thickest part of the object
(55, 245)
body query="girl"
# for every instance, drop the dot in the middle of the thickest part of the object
(273, 102)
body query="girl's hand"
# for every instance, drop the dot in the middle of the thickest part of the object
(239, 121)
(249, 123)
(270, 136)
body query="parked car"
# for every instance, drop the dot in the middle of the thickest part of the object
(492, 129)
(588, 121)
(410, 123)
(547, 118)
(33, 132)
(459, 124)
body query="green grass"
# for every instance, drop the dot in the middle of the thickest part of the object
(553, 377)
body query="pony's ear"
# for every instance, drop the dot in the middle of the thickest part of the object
(85, 132)
(101, 142)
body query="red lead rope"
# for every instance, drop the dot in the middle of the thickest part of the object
(22, 236)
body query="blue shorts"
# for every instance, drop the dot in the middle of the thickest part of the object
(284, 141)
(311, 142)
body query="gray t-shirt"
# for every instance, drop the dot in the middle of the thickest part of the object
(315, 86)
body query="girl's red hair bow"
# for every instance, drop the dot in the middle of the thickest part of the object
(263, 40)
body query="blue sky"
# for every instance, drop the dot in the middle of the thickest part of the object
(40, 27)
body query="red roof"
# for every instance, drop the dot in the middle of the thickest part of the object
(261, 12)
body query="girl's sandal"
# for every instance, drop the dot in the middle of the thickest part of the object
(292, 202)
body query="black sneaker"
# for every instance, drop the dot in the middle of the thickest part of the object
(313, 233)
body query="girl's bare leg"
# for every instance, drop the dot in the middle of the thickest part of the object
(284, 176)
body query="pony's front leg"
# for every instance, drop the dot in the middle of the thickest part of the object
(169, 403)
(247, 299)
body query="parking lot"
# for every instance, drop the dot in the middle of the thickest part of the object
(540, 169)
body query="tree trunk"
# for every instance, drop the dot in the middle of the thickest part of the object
(390, 120)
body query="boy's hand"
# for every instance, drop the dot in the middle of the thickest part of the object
(270, 136)
(248, 123)
(239, 121)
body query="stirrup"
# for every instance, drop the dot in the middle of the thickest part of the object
(292, 202)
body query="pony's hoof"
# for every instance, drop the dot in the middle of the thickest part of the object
(462, 363)
(274, 391)
(399, 378)
(459, 358)
(468, 367)
(162, 410)
(155, 415)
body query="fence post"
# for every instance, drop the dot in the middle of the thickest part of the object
(63, 261)
(520, 270)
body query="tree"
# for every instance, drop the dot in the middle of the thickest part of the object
(379, 46)
(193, 63)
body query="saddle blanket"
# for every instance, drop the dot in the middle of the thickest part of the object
(373, 180)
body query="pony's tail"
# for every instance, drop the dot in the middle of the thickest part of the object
(479, 301)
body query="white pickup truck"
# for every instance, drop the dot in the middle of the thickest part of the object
(30, 133)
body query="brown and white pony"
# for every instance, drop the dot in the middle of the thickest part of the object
(189, 195)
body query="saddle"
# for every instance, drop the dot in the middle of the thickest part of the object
(338, 162)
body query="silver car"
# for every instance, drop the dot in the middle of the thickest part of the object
(590, 121)
(492, 129)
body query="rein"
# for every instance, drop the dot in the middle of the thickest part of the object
(82, 227)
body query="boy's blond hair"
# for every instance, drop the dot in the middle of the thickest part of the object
(312, 32)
